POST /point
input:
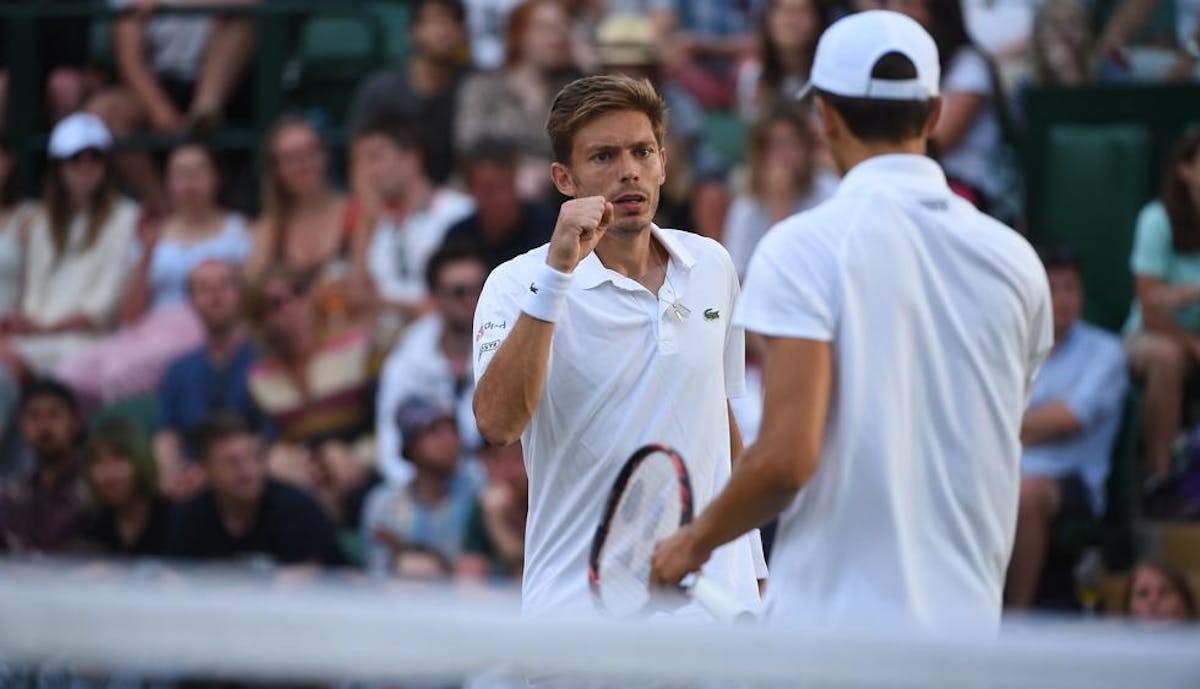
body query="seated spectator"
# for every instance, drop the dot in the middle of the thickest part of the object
(159, 324)
(42, 511)
(502, 226)
(432, 509)
(208, 379)
(784, 180)
(1068, 429)
(313, 386)
(424, 89)
(512, 103)
(76, 260)
(433, 359)
(1129, 17)
(694, 196)
(968, 136)
(15, 217)
(1164, 326)
(243, 513)
(703, 42)
(402, 216)
(495, 540)
(130, 518)
(1157, 592)
(1062, 46)
(306, 225)
(787, 40)
(176, 72)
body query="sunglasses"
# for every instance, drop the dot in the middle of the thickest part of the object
(461, 291)
(88, 155)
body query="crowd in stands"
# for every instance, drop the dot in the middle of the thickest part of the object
(300, 321)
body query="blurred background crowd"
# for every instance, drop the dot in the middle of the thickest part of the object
(241, 245)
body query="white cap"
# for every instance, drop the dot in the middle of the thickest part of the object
(848, 50)
(78, 132)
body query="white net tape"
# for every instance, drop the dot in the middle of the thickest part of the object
(294, 628)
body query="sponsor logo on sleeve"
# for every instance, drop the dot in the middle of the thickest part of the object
(490, 327)
(488, 347)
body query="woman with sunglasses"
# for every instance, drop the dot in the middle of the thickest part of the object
(159, 324)
(313, 385)
(77, 253)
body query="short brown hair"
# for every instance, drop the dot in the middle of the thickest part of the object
(583, 100)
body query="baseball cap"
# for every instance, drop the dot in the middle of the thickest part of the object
(625, 39)
(849, 49)
(78, 132)
(417, 414)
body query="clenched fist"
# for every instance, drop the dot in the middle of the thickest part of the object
(581, 224)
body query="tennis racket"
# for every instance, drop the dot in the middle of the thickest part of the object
(650, 499)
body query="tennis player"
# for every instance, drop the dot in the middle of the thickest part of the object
(615, 334)
(904, 329)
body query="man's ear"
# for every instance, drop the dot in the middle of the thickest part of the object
(934, 115)
(828, 119)
(563, 180)
(662, 158)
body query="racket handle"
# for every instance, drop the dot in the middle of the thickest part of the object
(716, 599)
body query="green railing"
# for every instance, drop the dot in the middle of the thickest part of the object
(275, 47)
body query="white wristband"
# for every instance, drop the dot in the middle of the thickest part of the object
(547, 294)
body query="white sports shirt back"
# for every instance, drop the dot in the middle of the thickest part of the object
(938, 318)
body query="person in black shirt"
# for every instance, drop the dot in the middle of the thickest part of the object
(502, 226)
(130, 519)
(245, 514)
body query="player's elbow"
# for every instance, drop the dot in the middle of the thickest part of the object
(494, 426)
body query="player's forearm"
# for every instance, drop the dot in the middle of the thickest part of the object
(756, 493)
(1048, 422)
(509, 391)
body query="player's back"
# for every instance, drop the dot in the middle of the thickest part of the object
(938, 317)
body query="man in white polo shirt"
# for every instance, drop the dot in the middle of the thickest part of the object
(904, 329)
(615, 334)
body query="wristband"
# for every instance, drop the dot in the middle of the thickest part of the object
(547, 294)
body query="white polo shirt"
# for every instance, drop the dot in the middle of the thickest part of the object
(939, 318)
(624, 371)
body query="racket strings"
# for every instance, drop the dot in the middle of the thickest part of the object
(649, 509)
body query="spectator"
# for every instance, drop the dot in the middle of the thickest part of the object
(1068, 429)
(502, 226)
(694, 196)
(76, 258)
(1062, 51)
(208, 379)
(176, 72)
(1157, 592)
(421, 563)
(512, 103)
(306, 225)
(15, 217)
(62, 50)
(313, 386)
(432, 509)
(434, 358)
(968, 136)
(130, 518)
(495, 539)
(787, 40)
(1164, 326)
(784, 180)
(703, 44)
(402, 215)
(41, 512)
(487, 22)
(1130, 15)
(425, 88)
(243, 513)
(159, 323)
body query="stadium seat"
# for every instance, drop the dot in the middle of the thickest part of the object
(141, 410)
(1097, 178)
(726, 133)
(335, 52)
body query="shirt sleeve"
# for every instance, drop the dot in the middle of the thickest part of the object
(1152, 246)
(791, 286)
(1100, 392)
(498, 309)
(1041, 334)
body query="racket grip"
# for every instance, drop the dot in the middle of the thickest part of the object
(716, 599)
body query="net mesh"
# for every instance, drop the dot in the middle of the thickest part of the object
(108, 628)
(648, 510)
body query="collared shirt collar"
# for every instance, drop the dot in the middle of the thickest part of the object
(592, 273)
(898, 168)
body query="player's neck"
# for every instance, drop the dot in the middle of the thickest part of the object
(849, 153)
(628, 254)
